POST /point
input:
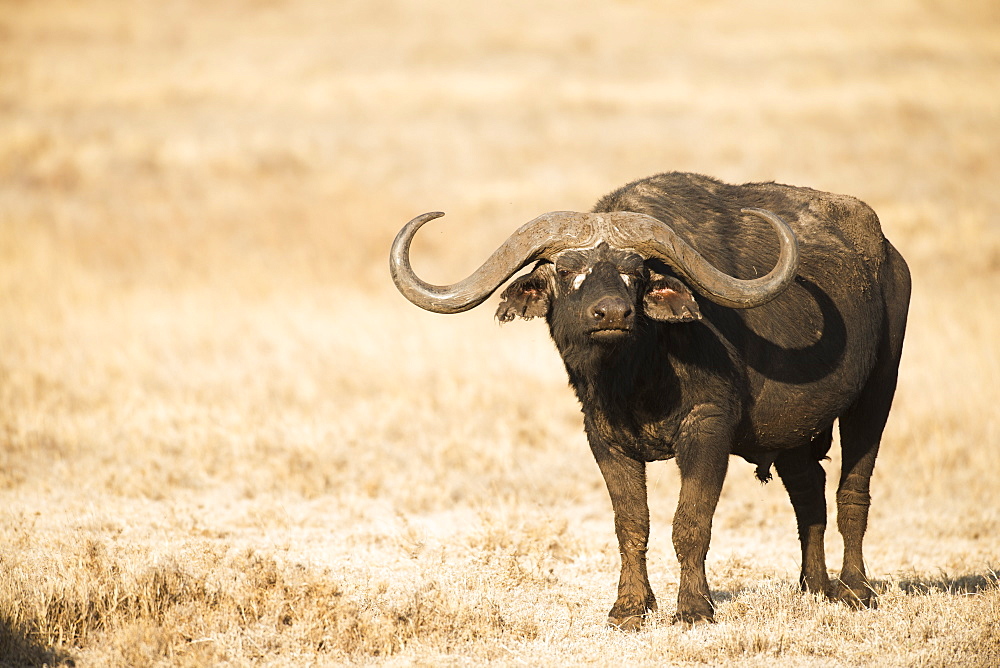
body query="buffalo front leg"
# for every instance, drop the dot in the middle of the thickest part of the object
(626, 481)
(702, 457)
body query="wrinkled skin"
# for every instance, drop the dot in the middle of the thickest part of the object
(662, 373)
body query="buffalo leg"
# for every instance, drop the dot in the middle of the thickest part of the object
(702, 457)
(805, 482)
(860, 433)
(853, 501)
(626, 481)
(861, 430)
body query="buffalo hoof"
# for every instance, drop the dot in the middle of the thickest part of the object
(629, 623)
(690, 618)
(694, 609)
(858, 597)
(628, 615)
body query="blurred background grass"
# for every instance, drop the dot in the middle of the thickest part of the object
(176, 144)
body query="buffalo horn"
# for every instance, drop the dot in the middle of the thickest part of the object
(650, 237)
(538, 239)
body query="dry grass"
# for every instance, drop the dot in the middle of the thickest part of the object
(225, 439)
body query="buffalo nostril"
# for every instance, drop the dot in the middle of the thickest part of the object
(611, 312)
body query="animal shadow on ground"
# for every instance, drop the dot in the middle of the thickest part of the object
(957, 584)
(970, 583)
(18, 648)
(727, 595)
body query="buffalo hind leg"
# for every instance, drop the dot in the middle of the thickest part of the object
(861, 430)
(805, 481)
(853, 501)
(626, 481)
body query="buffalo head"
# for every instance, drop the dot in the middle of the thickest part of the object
(599, 294)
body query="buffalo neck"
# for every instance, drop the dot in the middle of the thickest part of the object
(614, 376)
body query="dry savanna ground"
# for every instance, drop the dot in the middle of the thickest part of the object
(226, 440)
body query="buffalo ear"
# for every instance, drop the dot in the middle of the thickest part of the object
(667, 299)
(526, 297)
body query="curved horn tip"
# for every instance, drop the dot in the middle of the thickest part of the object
(430, 215)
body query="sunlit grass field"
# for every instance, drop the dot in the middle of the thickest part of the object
(226, 440)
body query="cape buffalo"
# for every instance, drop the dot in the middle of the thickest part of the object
(677, 347)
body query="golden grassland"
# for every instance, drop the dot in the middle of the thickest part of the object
(226, 440)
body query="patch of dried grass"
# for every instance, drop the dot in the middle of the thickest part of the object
(187, 608)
